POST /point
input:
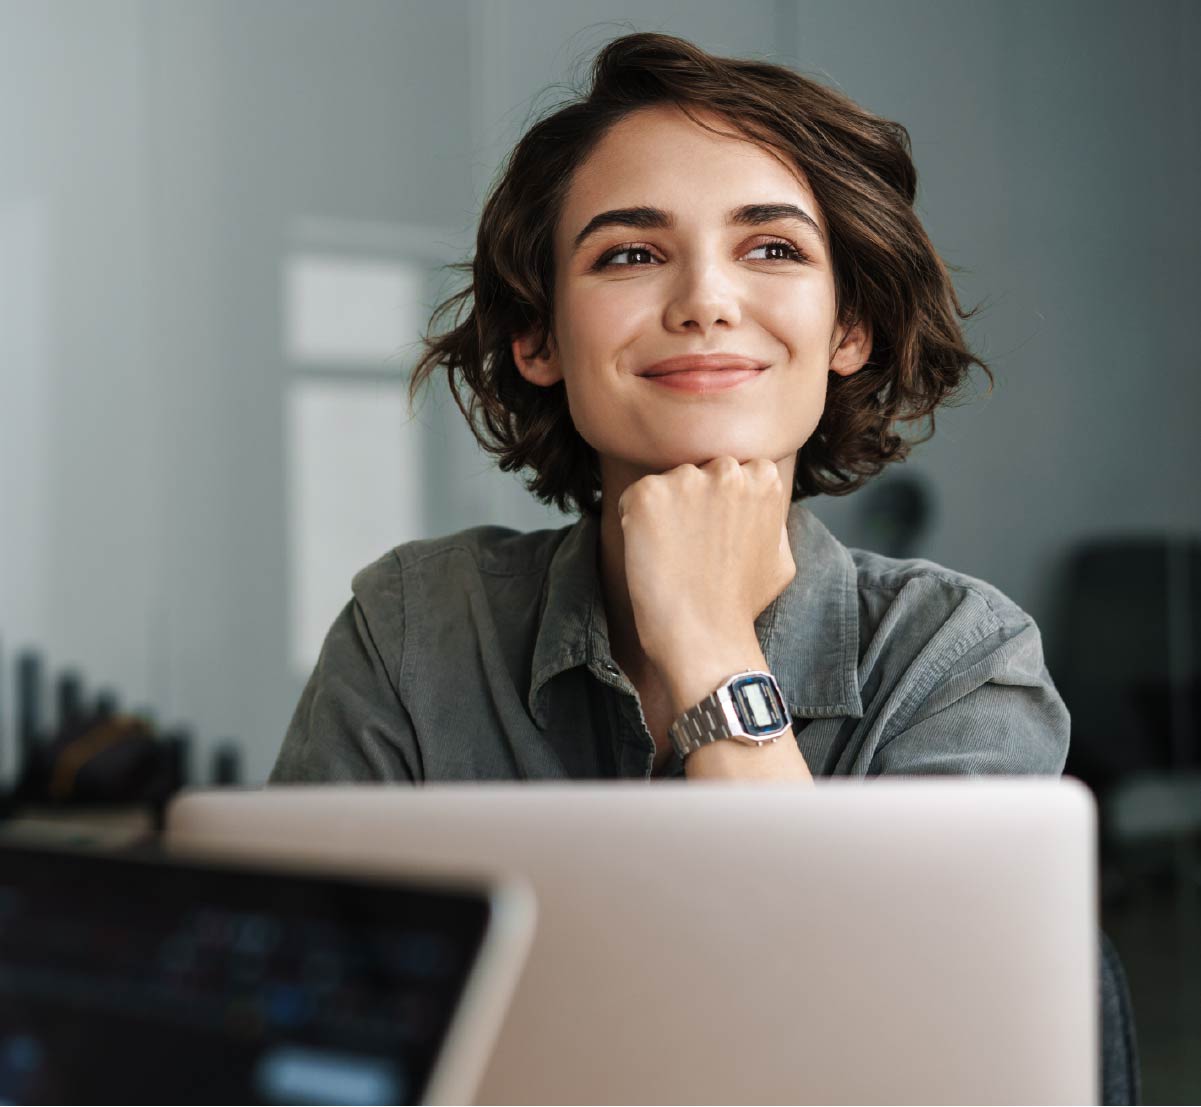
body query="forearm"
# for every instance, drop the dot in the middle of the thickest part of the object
(690, 675)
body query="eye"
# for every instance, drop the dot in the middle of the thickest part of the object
(791, 253)
(607, 260)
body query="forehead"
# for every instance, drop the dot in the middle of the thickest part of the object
(658, 156)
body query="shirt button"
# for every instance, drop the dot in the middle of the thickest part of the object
(609, 667)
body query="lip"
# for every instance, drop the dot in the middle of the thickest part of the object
(716, 362)
(706, 380)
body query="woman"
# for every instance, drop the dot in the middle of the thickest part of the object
(700, 295)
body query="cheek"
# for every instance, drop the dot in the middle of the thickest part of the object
(600, 321)
(800, 318)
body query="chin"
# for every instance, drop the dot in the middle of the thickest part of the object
(741, 450)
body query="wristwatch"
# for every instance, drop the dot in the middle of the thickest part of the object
(748, 707)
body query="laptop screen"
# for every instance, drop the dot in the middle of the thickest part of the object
(143, 978)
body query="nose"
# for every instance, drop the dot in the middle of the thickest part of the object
(704, 296)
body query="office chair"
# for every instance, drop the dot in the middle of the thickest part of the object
(1120, 1079)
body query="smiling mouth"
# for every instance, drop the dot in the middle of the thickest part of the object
(704, 380)
(703, 370)
(708, 363)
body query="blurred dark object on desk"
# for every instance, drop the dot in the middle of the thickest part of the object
(119, 759)
(99, 775)
(227, 764)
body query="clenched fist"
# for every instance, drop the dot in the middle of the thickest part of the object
(706, 551)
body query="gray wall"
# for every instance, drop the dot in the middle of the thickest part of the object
(156, 159)
(1058, 146)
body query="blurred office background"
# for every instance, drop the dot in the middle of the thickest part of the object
(222, 227)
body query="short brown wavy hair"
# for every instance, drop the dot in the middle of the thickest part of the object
(886, 271)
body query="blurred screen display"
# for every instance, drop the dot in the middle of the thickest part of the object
(147, 979)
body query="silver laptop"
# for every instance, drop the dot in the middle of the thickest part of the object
(894, 940)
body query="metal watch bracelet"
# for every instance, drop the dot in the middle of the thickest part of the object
(716, 717)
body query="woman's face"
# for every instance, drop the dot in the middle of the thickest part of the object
(696, 279)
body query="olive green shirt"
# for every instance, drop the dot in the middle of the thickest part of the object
(484, 655)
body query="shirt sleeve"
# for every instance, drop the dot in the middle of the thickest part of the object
(350, 724)
(994, 711)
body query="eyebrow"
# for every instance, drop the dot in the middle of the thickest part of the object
(648, 218)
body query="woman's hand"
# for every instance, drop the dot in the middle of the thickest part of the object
(706, 550)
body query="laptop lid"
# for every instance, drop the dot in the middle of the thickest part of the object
(893, 940)
(144, 978)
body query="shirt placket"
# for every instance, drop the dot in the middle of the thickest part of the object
(636, 747)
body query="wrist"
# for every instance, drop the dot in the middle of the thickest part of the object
(693, 671)
(692, 675)
(730, 760)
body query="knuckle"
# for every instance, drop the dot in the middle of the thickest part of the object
(633, 497)
(648, 492)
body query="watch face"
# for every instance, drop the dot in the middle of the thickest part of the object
(759, 706)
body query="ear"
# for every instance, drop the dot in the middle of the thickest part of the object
(537, 363)
(853, 350)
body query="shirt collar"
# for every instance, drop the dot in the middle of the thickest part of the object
(809, 634)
